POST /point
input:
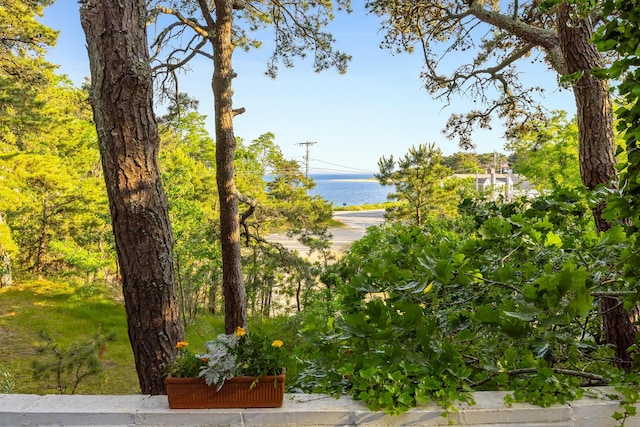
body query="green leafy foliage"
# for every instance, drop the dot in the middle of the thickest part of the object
(186, 364)
(259, 355)
(7, 249)
(187, 165)
(620, 35)
(500, 300)
(23, 70)
(547, 152)
(7, 245)
(52, 189)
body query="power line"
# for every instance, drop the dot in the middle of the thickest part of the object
(337, 169)
(349, 168)
(306, 157)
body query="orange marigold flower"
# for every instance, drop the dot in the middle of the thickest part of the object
(205, 359)
(277, 343)
(240, 331)
(181, 344)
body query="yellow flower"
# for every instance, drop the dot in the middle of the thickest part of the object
(277, 343)
(240, 331)
(181, 344)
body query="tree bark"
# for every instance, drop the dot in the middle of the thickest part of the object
(545, 38)
(596, 151)
(121, 97)
(232, 282)
(619, 329)
(593, 103)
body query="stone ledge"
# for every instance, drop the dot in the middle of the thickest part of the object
(298, 410)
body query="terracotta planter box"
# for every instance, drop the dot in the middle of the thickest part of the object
(194, 393)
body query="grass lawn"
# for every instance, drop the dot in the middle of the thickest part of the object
(68, 314)
(71, 314)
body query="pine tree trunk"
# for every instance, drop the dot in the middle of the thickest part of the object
(596, 149)
(235, 312)
(121, 97)
(619, 329)
(593, 102)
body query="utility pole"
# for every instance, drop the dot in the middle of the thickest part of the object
(306, 157)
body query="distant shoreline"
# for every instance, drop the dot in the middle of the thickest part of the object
(352, 180)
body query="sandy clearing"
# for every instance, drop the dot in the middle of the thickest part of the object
(356, 223)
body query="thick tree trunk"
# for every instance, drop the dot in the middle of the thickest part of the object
(121, 97)
(619, 329)
(593, 102)
(235, 297)
(596, 149)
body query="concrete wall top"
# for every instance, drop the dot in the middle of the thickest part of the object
(298, 410)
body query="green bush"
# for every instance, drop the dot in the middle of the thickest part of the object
(501, 300)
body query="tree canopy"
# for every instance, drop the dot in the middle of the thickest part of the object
(494, 36)
(423, 185)
(23, 43)
(498, 40)
(547, 154)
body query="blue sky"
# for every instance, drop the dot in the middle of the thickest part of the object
(377, 109)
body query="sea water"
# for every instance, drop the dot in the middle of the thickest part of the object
(350, 189)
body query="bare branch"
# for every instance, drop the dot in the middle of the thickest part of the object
(613, 294)
(246, 214)
(497, 34)
(493, 72)
(592, 378)
(189, 22)
(183, 62)
(206, 9)
(160, 40)
(545, 38)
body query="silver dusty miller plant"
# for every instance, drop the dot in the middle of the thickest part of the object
(221, 361)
